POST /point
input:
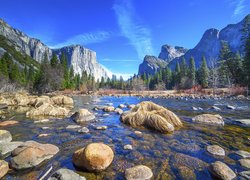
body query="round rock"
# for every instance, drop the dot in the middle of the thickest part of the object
(216, 150)
(139, 172)
(95, 157)
(222, 171)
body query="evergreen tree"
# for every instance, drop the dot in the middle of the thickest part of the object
(192, 72)
(4, 67)
(168, 80)
(246, 61)
(14, 73)
(204, 72)
(54, 61)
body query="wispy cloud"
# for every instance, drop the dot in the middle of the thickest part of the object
(86, 38)
(125, 76)
(131, 28)
(239, 7)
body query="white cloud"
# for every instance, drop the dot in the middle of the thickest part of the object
(124, 75)
(138, 35)
(239, 7)
(86, 38)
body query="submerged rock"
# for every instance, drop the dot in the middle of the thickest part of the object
(66, 174)
(31, 154)
(130, 106)
(8, 123)
(153, 116)
(186, 173)
(94, 157)
(42, 121)
(243, 154)
(139, 172)
(216, 108)
(8, 147)
(122, 106)
(5, 136)
(209, 119)
(245, 163)
(180, 159)
(4, 168)
(73, 127)
(83, 115)
(222, 171)
(216, 150)
(83, 130)
(245, 122)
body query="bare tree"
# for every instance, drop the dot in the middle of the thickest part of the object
(138, 84)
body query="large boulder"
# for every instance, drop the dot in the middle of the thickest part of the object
(5, 136)
(82, 115)
(66, 174)
(139, 172)
(63, 100)
(30, 154)
(48, 110)
(222, 171)
(21, 99)
(94, 157)
(4, 168)
(153, 116)
(209, 119)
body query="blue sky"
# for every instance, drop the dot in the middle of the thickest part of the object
(122, 32)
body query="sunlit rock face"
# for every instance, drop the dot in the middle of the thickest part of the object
(81, 58)
(168, 53)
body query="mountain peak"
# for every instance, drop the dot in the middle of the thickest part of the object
(169, 52)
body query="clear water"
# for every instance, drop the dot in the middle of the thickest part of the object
(165, 154)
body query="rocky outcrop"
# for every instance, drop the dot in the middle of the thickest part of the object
(94, 157)
(80, 58)
(151, 65)
(152, 116)
(138, 172)
(8, 147)
(168, 53)
(31, 154)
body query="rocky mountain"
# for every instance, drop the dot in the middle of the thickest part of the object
(79, 57)
(168, 53)
(209, 46)
(152, 64)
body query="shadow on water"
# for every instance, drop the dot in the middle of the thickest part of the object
(180, 155)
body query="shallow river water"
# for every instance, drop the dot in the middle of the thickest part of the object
(181, 155)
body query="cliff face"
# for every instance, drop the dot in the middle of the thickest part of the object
(152, 64)
(82, 59)
(79, 57)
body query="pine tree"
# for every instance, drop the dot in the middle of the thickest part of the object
(54, 61)
(4, 67)
(14, 73)
(246, 61)
(168, 80)
(192, 72)
(204, 72)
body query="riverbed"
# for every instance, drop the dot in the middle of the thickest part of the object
(165, 154)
